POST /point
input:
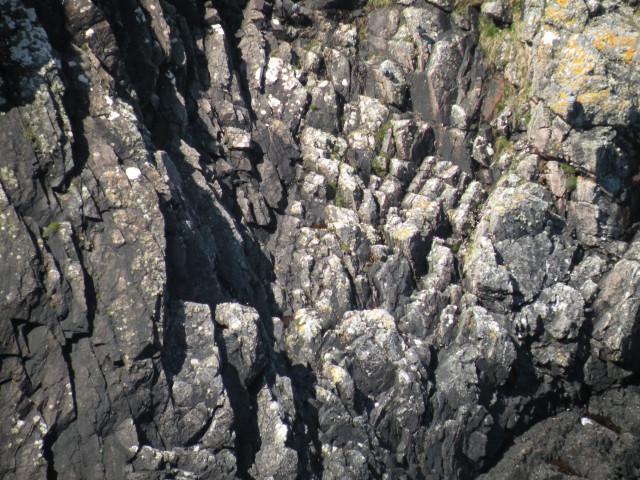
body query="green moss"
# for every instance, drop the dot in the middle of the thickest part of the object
(502, 144)
(339, 200)
(517, 9)
(361, 25)
(312, 46)
(468, 250)
(568, 169)
(501, 44)
(344, 246)
(30, 135)
(380, 133)
(50, 230)
(331, 190)
(335, 153)
(462, 6)
(379, 166)
(497, 41)
(570, 183)
(488, 28)
(376, 4)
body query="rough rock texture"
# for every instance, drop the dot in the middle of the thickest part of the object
(319, 239)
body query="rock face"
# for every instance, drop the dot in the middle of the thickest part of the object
(319, 239)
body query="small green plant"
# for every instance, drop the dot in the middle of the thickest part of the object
(361, 25)
(497, 42)
(31, 136)
(52, 301)
(339, 199)
(568, 169)
(517, 9)
(379, 166)
(570, 183)
(379, 134)
(501, 144)
(488, 28)
(344, 246)
(335, 152)
(331, 190)
(50, 230)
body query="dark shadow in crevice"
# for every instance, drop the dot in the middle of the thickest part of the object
(47, 452)
(244, 405)
(174, 342)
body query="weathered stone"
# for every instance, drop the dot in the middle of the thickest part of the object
(382, 306)
(243, 339)
(616, 330)
(497, 10)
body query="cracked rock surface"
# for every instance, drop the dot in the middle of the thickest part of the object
(319, 239)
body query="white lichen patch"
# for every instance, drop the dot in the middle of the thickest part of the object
(274, 103)
(281, 433)
(586, 421)
(16, 428)
(133, 173)
(548, 37)
(217, 28)
(273, 70)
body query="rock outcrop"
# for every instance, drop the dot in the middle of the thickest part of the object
(319, 239)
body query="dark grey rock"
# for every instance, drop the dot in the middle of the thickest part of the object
(616, 329)
(571, 445)
(414, 229)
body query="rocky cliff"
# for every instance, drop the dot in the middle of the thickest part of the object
(324, 239)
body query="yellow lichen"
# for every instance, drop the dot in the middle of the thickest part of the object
(622, 46)
(404, 233)
(562, 13)
(337, 374)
